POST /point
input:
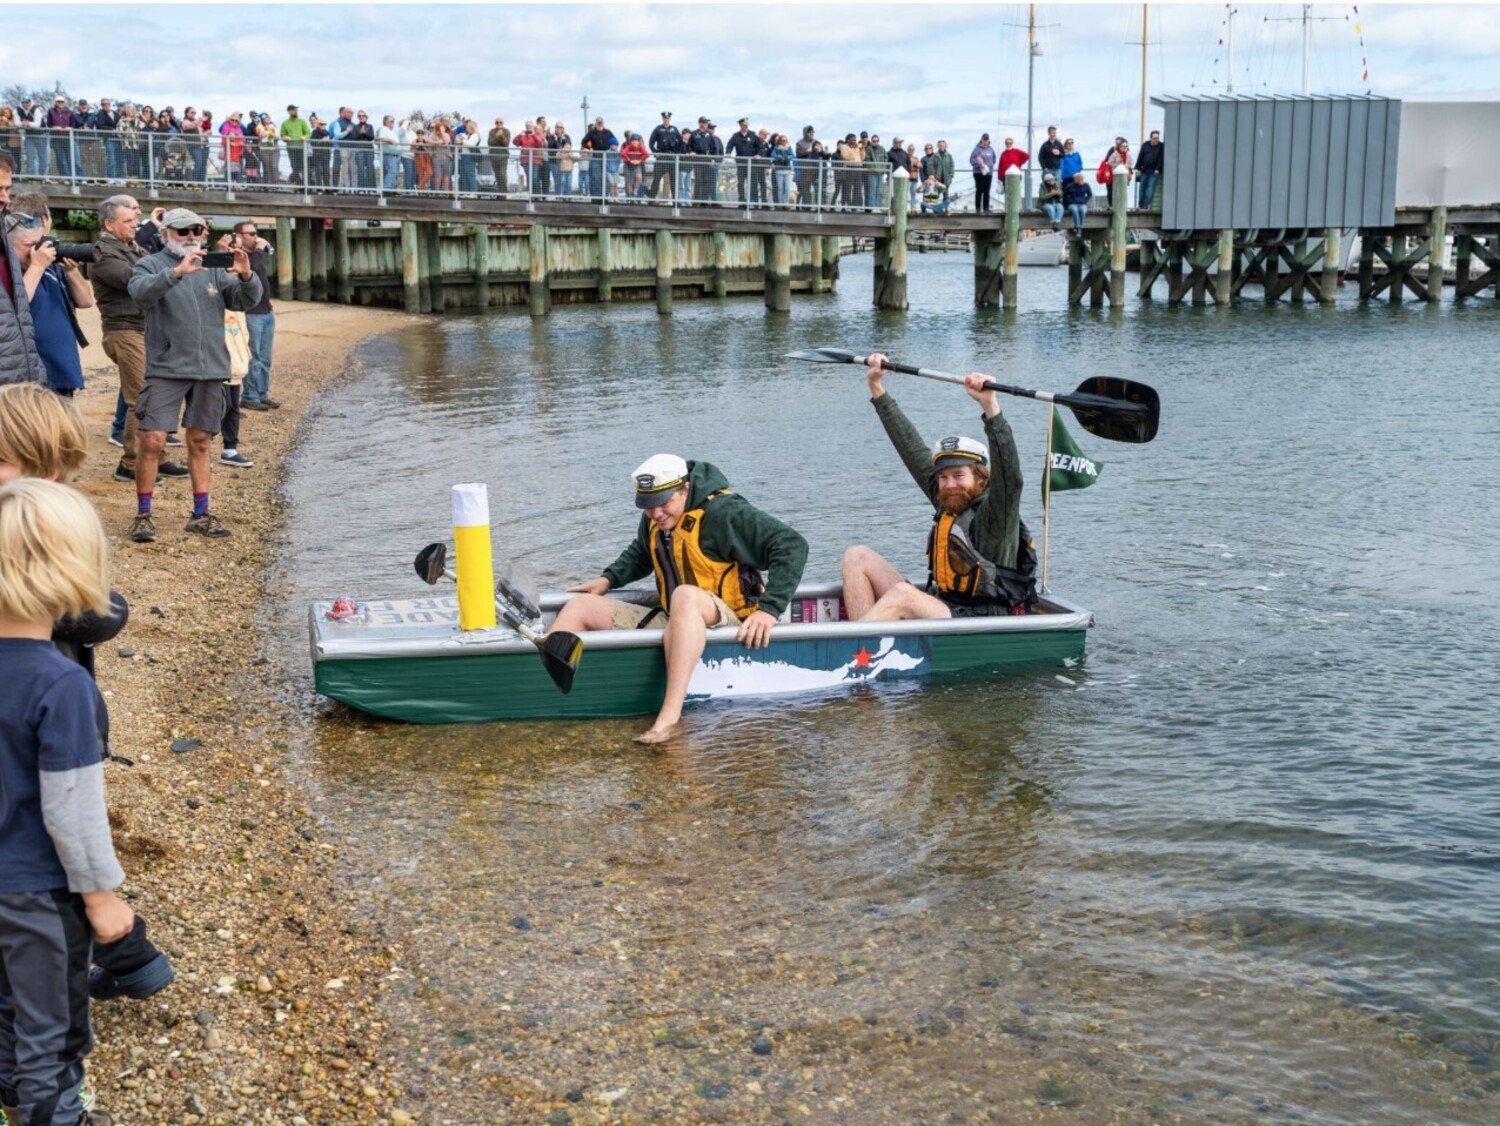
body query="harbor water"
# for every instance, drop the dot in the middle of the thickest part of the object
(1243, 864)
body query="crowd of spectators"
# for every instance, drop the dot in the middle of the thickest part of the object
(454, 155)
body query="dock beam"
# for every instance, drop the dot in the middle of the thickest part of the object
(285, 256)
(411, 268)
(343, 263)
(435, 267)
(721, 264)
(989, 261)
(539, 293)
(1011, 256)
(815, 270)
(302, 260)
(319, 262)
(666, 258)
(480, 252)
(830, 262)
(1328, 282)
(778, 283)
(606, 282)
(890, 283)
(1119, 202)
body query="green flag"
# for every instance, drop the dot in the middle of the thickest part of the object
(1071, 468)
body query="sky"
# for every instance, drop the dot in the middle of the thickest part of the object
(917, 70)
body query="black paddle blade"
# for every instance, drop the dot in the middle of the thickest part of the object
(560, 652)
(1120, 410)
(825, 356)
(431, 562)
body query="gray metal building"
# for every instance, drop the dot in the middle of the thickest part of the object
(1279, 162)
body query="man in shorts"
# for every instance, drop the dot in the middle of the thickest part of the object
(187, 361)
(707, 547)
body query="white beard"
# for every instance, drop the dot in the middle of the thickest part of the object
(183, 249)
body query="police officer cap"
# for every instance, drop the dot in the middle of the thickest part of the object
(702, 120)
(657, 478)
(744, 121)
(955, 451)
(666, 113)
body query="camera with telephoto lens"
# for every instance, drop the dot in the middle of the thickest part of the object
(72, 251)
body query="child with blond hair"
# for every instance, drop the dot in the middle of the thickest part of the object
(58, 869)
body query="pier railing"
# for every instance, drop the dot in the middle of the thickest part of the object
(430, 170)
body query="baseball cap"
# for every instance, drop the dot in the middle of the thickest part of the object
(657, 478)
(955, 451)
(180, 218)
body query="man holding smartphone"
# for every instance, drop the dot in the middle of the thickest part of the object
(187, 361)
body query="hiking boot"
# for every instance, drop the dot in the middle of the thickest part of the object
(271, 404)
(171, 469)
(139, 984)
(207, 524)
(143, 530)
(236, 459)
(253, 405)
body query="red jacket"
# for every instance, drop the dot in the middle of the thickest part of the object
(530, 141)
(1011, 158)
(635, 153)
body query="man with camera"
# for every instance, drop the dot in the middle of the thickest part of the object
(184, 292)
(19, 359)
(116, 254)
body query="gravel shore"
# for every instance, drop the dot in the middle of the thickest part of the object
(273, 1015)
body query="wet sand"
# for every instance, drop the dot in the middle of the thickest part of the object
(270, 1017)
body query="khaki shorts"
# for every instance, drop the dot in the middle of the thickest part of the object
(161, 400)
(632, 615)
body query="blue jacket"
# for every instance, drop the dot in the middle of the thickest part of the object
(1074, 192)
(1072, 163)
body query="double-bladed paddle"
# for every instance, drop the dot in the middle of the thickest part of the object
(517, 604)
(1114, 408)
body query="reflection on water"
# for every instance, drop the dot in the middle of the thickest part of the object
(1241, 866)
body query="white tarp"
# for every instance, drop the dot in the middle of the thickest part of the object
(1450, 154)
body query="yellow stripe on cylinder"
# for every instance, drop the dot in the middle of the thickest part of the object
(473, 562)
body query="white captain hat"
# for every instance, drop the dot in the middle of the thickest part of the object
(657, 478)
(955, 451)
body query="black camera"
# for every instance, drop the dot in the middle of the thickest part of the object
(71, 251)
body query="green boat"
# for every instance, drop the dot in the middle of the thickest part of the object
(408, 660)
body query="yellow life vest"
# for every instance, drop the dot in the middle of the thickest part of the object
(677, 557)
(959, 574)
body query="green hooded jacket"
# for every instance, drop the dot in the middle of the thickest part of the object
(734, 531)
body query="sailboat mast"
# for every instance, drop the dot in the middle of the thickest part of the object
(1229, 39)
(1145, 8)
(1306, 50)
(1030, 93)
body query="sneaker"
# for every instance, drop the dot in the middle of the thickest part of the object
(253, 405)
(171, 469)
(207, 525)
(144, 529)
(174, 439)
(123, 474)
(117, 438)
(236, 459)
(139, 984)
(271, 404)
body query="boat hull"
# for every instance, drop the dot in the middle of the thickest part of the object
(409, 662)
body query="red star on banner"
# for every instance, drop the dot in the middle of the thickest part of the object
(862, 658)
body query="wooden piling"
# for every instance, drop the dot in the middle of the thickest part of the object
(815, 270)
(1396, 268)
(721, 264)
(435, 266)
(1463, 250)
(606, 284)
(1437, 255)
(1147, 254)
(285, 257)
(1119, 203)
(424, 268)
(779, 275)
(411, 275)
(302, 264)
(890, 283)
(1011, 259)
(1367, 243)
(1328, 284)
(989, 262)
(539, 291)
(881, 255)
(319, 265)
(1224, 279)
(666, 257)
(343, 263)
(1298, 283)
(830, 262)
(481, 254)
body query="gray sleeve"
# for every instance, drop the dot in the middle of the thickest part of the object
(238, 293)
(148, 283)
(74, 813)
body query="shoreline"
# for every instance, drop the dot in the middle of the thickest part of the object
(271, 1013)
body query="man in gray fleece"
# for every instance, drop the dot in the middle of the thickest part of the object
(187, 360)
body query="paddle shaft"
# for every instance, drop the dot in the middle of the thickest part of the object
(949, 377)
(512, 619)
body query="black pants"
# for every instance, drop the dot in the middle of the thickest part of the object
(229, 429)
(125, 955)
(982, 191)
(664, 171)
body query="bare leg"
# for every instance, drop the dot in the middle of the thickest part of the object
(692, 612)
(904, 601)
(199, 445)
(149, 444)
(585, 612)
(867, 576)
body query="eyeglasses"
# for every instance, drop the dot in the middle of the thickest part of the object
(250, 234)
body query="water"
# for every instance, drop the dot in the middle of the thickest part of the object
(1242, 865)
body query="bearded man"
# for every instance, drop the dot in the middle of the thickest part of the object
(979, 556)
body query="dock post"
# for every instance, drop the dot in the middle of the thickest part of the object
(1224, 279)
(1366, 264)
(1119, 203)
(721, 264)
(815, 270)
(538, 289)
(319, 265)
(1299, 271)
(830, 262)
(481, 250)
(302, 260)
(606, 284)
(988, 263)
(1328, 284)
(1437, 254)
(285, 256)
(1075, 270)
(411, 268)
(435, 266)
(666, 256)
(890, 282)
(424, 268)
(343, 262)
(1147, 254)
(779, 275)
(1397, 267)
(1012, 258)
(1463, 250)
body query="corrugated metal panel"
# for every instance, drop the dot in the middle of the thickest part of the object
(1282, 161)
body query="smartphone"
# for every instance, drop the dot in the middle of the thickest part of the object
(218, 260)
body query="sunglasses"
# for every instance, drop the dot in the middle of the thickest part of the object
(195, 229)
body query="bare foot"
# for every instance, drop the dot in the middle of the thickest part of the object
(658, 734)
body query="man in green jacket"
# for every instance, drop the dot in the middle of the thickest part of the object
(879, 164)
(295, 132)
(707, 547)
(941, 165)
(975, 558)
